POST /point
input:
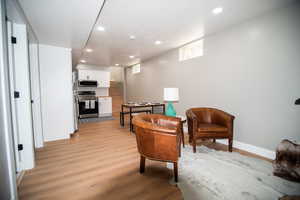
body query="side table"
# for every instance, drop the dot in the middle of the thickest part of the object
(183, 120)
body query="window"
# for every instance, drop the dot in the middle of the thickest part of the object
(136, 69)
(192, 50)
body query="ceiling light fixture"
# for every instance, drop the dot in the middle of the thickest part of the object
(131, 57)
(132, 37)
(89, 50)
(217, 10)
(157, 42)
(117, 64)
(83, 61)
(101, 28)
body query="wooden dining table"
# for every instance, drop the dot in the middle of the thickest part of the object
(138, 108)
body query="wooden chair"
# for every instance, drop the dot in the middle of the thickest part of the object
(209, 123)
(158, 138)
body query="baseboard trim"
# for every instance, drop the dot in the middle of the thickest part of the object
(246, 147)
(251, 148)
(64, 137)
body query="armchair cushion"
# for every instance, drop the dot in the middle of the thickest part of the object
(211, 128)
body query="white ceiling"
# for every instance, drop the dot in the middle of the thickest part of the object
(65, 23)
(174, 22)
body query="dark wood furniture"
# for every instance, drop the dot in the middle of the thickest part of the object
(209, 123)
(182, 120)
(137, 108)
(158, 138)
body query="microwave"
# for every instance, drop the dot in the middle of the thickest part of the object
(87, 83)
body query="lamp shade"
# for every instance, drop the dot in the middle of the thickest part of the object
(171, 94)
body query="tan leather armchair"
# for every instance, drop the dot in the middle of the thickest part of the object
(158, 138)
(209, 123)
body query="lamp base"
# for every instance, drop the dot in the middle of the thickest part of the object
(170, 110)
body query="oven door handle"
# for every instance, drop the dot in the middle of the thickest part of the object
(83, 101)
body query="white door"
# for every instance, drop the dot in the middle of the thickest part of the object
(12, 84)
(20, 95)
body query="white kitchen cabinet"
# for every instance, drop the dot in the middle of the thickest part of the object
(102, 77)
(105, 106)
(84, 75)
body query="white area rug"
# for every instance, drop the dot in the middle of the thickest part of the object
(216, 175)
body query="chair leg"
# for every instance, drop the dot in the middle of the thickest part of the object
(214, 140)
(175, 171)
(131, 125)
(194, 145)
(142, 164)
(230, 145)
(182, 135)
(179, 150)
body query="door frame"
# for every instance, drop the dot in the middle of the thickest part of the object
(36, 95)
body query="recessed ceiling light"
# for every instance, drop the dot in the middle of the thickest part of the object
(100, 28)
(83, 61)
(157, 42)
(132, 37)
(88, 50)
(217, 10)
(131, 56)
(117, 64)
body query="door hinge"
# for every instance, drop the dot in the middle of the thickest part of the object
(13, 40)
(16, 94)
(20, 147)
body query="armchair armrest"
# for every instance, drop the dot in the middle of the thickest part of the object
(190, 114)
(192, 122)
(171, 128)
(160, 123)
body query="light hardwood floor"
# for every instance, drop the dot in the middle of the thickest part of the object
(100, 162)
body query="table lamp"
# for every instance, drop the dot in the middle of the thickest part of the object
(171, 95)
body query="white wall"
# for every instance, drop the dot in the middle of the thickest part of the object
(56, 92)
(251, 70)
(116, 74)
